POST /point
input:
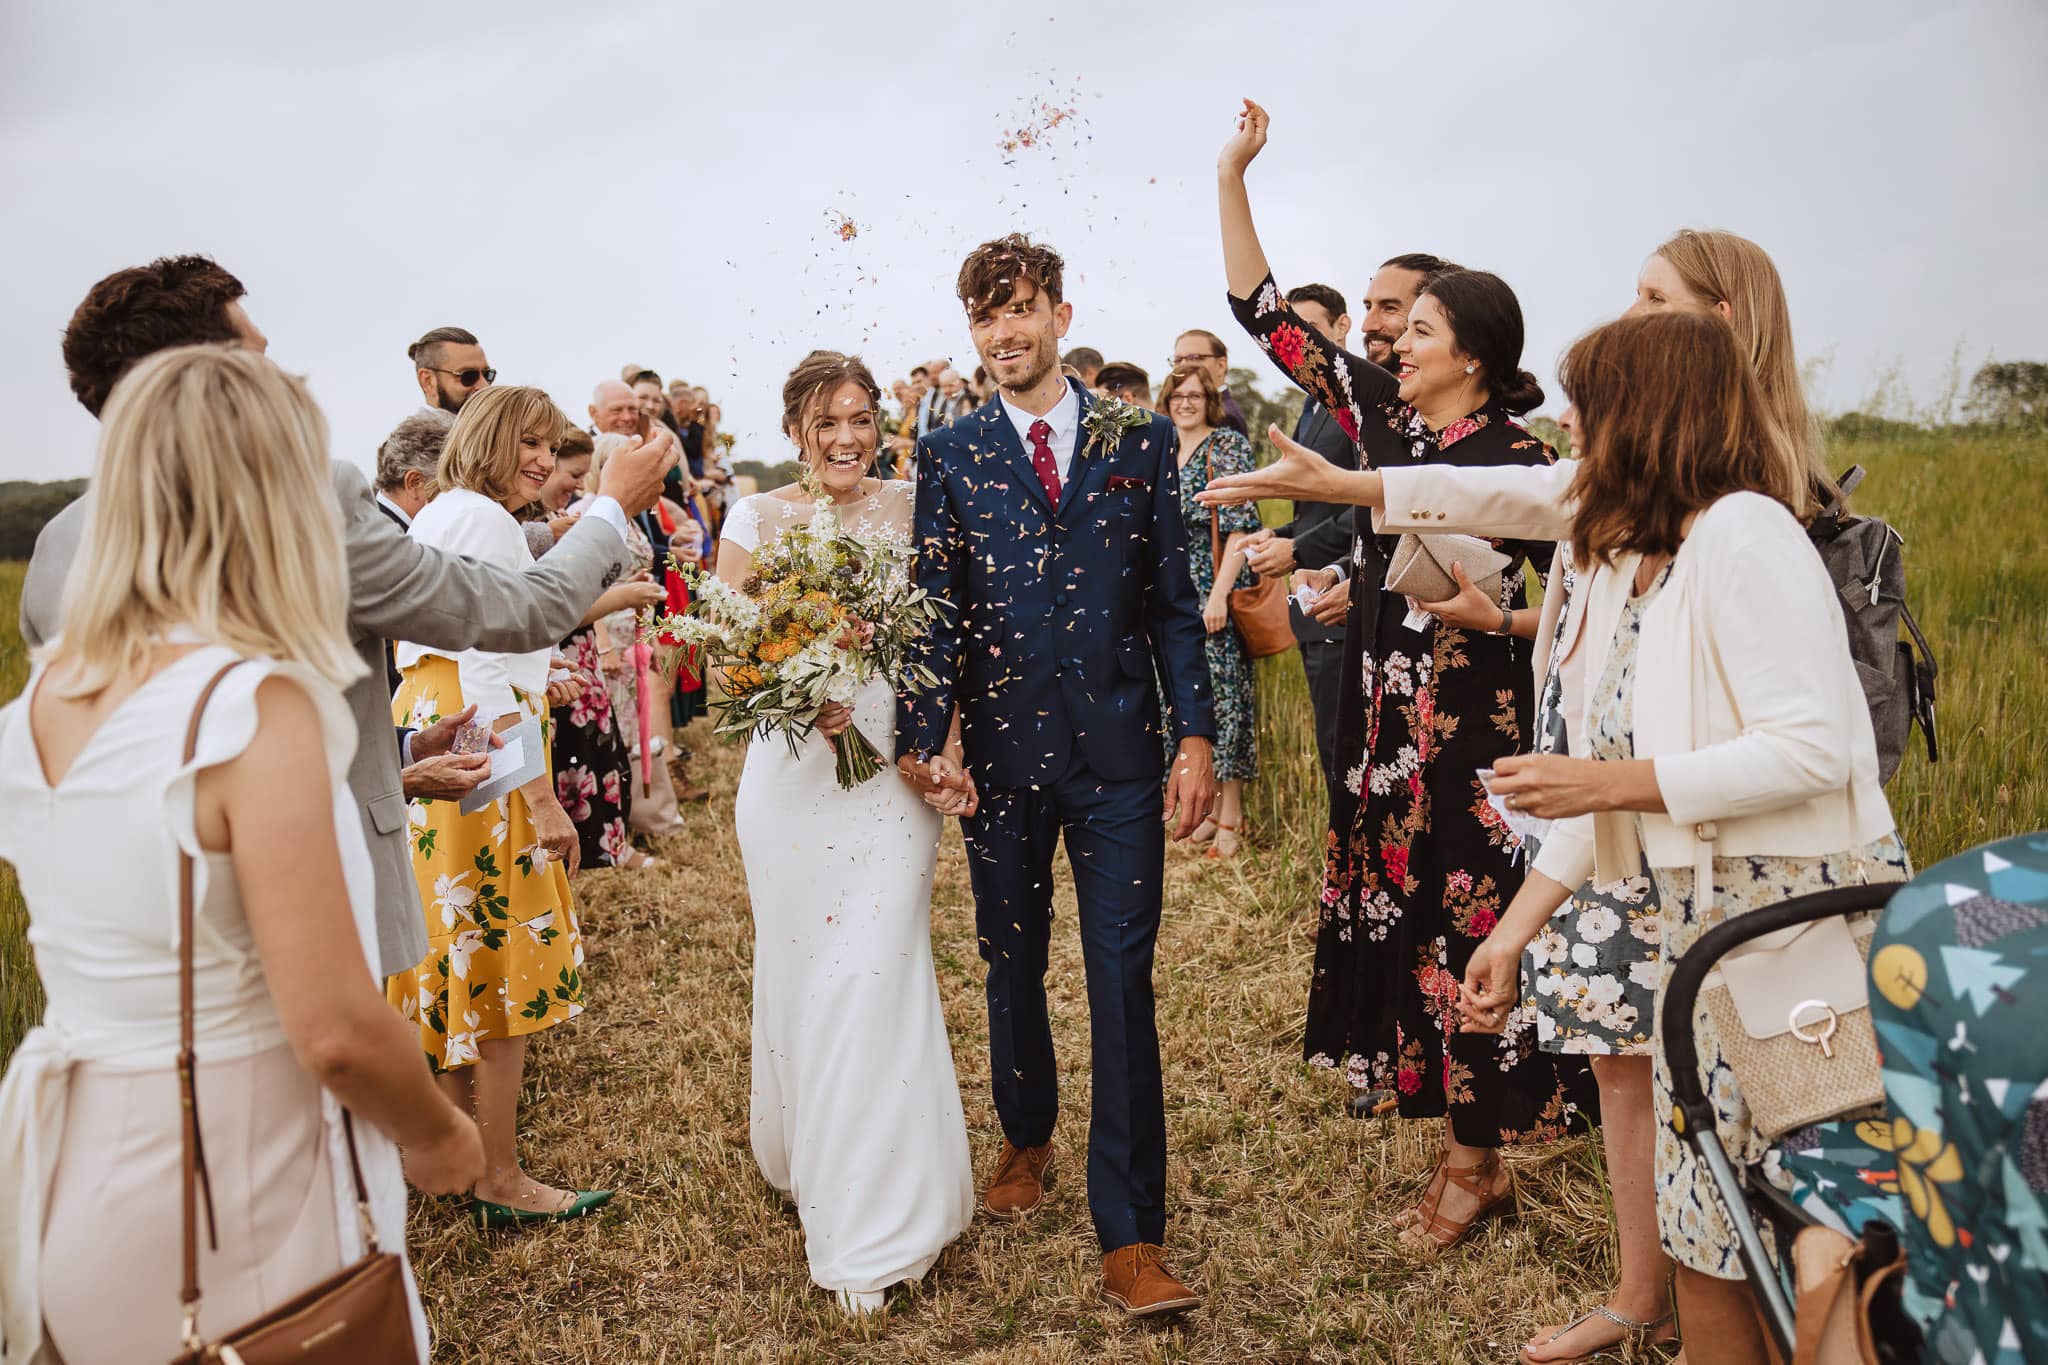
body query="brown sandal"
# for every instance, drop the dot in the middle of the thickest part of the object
(1476, 1180)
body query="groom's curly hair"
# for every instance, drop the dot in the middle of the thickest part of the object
(990, 273)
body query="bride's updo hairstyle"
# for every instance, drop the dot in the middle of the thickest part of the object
(1486, 322)
(810, 387)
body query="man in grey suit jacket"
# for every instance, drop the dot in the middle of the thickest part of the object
(397, 588)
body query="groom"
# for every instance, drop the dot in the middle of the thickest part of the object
(1054, 529)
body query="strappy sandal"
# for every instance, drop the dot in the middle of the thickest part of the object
(1200, 840)
(1634, 1337)
(1444, 1233)
(1216, 854)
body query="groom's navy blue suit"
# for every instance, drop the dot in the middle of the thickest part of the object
(1060, 616)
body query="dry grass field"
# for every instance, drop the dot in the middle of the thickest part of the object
(1278, 1201)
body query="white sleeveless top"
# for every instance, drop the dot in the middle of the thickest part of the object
(97, 859)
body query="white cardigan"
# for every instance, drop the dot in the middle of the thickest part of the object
(1745, 698)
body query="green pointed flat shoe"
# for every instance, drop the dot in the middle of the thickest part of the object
(489, 1215)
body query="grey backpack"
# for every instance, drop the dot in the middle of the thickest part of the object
(1866, 560)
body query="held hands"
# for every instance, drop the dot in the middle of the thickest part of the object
(1299, 473)
(1244, 144)
(944, 782)
(1190, 787)
(1471, 609)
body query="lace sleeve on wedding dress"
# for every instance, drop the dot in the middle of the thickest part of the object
(743, 524)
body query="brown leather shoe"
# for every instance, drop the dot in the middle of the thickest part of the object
(1135, 1279)
(1021, 1179)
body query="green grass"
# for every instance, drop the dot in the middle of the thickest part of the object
(21, 993)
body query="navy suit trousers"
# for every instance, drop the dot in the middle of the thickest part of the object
(1116, 846)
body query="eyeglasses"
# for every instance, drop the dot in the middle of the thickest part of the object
(468, 378)
(1192, 359)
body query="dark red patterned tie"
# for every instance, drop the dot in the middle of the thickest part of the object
(1042, 461)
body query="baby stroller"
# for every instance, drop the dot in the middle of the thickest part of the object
(1955, 1169)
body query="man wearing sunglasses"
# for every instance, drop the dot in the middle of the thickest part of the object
(450, 366)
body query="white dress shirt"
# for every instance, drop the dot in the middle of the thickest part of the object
(1065, 421)
(395, 510)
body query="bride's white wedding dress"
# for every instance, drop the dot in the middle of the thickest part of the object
(856, 1112)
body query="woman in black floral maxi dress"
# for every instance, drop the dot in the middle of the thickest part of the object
(1425, 867)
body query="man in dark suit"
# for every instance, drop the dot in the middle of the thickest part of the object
(1319, 536)
(1052, 527)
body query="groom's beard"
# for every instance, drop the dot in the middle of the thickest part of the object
(1044, 361)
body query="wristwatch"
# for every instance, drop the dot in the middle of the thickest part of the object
(1507, 622)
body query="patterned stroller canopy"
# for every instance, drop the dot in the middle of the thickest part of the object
(1959, 1163)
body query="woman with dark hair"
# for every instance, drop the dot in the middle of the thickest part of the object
(855, 1115)
(1424, 868)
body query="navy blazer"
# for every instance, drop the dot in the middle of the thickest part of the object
(1059, 615)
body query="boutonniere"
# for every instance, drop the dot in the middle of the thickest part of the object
(1107, 420)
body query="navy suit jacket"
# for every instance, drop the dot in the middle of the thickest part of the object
(1059, 614)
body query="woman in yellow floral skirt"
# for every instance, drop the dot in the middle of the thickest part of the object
(504, 959)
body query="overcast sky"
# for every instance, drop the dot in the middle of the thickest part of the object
(662, 183)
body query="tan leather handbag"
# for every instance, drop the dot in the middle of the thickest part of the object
(1838, 1283)
(1260, 611)
(358, 1314)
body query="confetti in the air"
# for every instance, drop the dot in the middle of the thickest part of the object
(843, 226)
(1039, 120)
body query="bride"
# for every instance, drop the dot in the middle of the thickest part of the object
(855, 1114)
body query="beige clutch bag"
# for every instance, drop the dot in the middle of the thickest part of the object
(1421, 566)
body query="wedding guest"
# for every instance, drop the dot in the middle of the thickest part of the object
(653, 810)
(1190, 400)
(406, 462)
(981, 388)
(200, 447)
(1609, 1018)
(1697, 569)
(1087, 363)
(593, 775)
(504, 958)
(397, 587)
(1126, 381)
(1318, 535)
(1422, 873)
(450, 368)
(1205, 351)
(955, 400)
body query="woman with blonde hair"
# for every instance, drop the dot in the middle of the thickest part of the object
(504, 957)
(202, 609)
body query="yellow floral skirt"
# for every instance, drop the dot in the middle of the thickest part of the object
(504, 957)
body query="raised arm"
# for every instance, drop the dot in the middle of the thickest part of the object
(1344, 383)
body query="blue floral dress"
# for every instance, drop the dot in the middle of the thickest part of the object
(1691, 1222)
(1593, 969)
(1231, 680)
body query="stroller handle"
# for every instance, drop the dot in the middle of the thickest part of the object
(1692, 967)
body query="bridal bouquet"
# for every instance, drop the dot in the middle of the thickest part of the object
(822, 613)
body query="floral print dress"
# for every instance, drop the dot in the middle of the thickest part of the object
(1691, 1222)
(1232, 682)
(1423, 866)
(592, 772)
(1593, 969)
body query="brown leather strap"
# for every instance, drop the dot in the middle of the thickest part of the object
(193, 1176)
(193, 1166)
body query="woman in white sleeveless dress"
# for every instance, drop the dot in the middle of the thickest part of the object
(202, 446)
(855, 1114)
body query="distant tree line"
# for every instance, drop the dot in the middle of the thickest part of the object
(24, 509)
